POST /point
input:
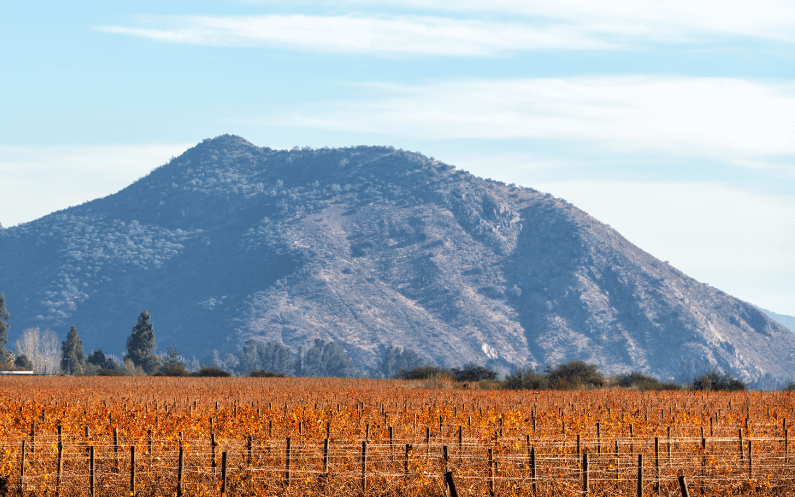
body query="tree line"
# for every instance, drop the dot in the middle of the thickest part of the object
(40, 352)
(37, 351)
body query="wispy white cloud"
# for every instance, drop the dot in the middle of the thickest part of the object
(663, 21)
(716, 118)
(37, 180)
(512, 25)
(406, 35)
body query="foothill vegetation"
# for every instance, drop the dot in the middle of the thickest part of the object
(324, 359)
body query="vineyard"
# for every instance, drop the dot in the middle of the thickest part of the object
(87, 436)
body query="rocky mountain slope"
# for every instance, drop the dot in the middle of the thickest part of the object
(370, 247)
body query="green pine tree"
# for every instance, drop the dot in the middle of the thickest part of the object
(73, 359)
(141, 345)
(5, 355)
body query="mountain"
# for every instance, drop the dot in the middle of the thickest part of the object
(787, 321)
(371, 247)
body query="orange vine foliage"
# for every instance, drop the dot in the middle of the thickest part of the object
(385, 437)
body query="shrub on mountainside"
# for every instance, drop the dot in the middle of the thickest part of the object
(574, 374)
(717, 381)
(211, 372)
(473, 372)
(641, 381)
(526, 378)
(267, 374)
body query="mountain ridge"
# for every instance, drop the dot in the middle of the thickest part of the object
(371, 247)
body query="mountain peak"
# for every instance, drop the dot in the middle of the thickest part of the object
(372, 247)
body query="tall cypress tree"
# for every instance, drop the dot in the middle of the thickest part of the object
(5, 356)
(141, 345)
(72, 356)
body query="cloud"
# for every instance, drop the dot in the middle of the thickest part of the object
(38, 180)
(654, 20)
(401, 35)
(715, 118)
(480, 28)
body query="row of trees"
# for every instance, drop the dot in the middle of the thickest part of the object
(40, 352)
(571, 375)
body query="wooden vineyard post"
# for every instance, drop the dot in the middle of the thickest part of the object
(364, 466)
(786, 446)
(406, 460)
(669, 445)
(213, 445)
(750, 461)
(657, 464)
(683, 486)
(116, 447)
(223, 474)
(533, 470)
(287, 463)
(461, 444)
(703, 462)
(250, 443)
(491, 472)
(91, 473)
(640, 475)
(391, 447)
(60, 463)
(448, 478)
(22, 468)
(180, 470)
(618, 465)
(585, 474)
(598, 438)
(427, 442)
(132, 470)
(742, 453)
(325, 456)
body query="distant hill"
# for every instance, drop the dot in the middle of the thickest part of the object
(371, 247)
(787, 321)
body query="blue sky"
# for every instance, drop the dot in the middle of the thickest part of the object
(671, 120)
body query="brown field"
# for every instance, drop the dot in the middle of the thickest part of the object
(251, 420)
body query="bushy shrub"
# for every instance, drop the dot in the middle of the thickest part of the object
(210, 371)
(641, 381)
(267, 374)
(111, 372)
(526, 378)
(179, 370)
(574, 374)
(716, 381)
(473, 372)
